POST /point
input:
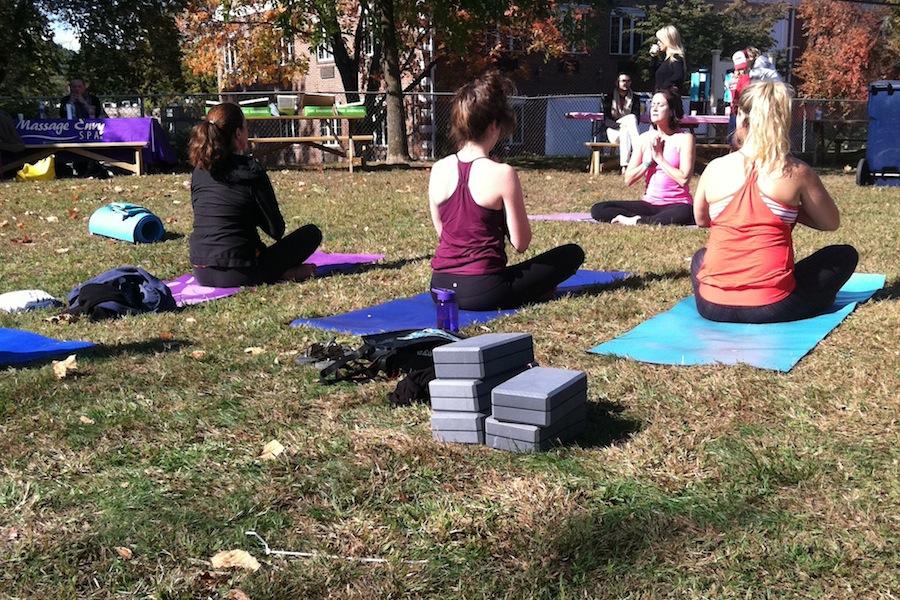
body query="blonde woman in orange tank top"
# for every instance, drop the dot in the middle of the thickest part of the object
(751, 200)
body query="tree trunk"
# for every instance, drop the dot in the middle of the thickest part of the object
(398, 146)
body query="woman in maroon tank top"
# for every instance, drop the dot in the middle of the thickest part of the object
(476, 205)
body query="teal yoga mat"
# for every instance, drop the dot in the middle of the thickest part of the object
(680, 336)
(126, 222)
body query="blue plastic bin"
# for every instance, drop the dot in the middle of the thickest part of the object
(881, 166)
(126, 222)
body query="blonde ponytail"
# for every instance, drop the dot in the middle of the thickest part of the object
(767, 107)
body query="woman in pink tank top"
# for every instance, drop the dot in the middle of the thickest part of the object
(476, 205)
(665, 159)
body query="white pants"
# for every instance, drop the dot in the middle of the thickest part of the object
(626, 136)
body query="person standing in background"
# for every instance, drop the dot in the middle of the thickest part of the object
(622, 110)
(668, 63)
(84, 104)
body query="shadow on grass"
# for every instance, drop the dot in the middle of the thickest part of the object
(606, 426)
(171, 235)
(888, 292)
(377, 266)
(633, 283)
(155, 346)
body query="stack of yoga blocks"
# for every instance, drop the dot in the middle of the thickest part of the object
(537, 408)
(466, 373)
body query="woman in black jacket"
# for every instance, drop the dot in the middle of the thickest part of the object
(231, 196)
(668, 71)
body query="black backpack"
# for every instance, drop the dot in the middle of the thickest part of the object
(387, 354)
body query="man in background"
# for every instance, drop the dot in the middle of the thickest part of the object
(84, 104)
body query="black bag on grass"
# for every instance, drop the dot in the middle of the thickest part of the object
(387, 354)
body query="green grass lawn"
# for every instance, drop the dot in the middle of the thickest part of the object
(693, 482)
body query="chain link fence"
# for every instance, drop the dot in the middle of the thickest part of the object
(822, 130)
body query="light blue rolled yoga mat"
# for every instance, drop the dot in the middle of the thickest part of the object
(126, 222)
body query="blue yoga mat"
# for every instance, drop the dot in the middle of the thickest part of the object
(417, 312)
(126, 222)
(19, 347)
(680, 336)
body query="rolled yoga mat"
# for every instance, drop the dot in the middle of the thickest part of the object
(562, 216)
(126, 222)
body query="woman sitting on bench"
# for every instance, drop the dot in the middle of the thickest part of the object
(751, 200)
(231, 196)
(477, 203)
(665, 159)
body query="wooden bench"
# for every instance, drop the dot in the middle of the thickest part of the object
(91, 150)
(319, 141)
(597, 164)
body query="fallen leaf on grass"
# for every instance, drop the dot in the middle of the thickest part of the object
(118, 189)
(22, 240)
(124, 552)
(254, 350)
(61, 250)
(12, 534)
(170, 220)
(52, 219)
(236, 594)
(62, 368)
(190, 320)
(198, 354)
(73, 214)
(271, 450)
(234, 559)
(166, 336)
(61, 318)
(212, 579)
(86, 420)
(4, 223)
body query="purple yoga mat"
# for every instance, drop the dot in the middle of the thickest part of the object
(187, 291)
(563, 216)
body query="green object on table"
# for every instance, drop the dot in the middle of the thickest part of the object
(324, 112)
(250, 111)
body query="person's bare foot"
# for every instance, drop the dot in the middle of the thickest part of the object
(623, 220)
(299, 273)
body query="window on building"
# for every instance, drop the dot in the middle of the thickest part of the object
(286, 50)
(623, 39)
(229, 57)
(332, 127)
(324, 53)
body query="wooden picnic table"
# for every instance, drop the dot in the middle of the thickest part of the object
(332, 143)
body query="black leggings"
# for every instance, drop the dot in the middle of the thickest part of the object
(529, 281)
(652, 214)
(289, 251)
(819, 276)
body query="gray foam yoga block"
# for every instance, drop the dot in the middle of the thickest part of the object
(482, 348)
(484, 370)
(533, 433)
(458, 437)
(542, 418)
(481, 404)
(540, 388)
(483, 356)
(513, 445)
(470, 388)
(457, 421)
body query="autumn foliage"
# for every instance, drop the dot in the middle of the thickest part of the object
(846, 49)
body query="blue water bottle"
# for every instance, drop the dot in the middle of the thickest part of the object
(447, 309)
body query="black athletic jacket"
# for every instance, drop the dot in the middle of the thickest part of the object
(229, 204)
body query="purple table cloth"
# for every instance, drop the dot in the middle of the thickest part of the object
(141, 129)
